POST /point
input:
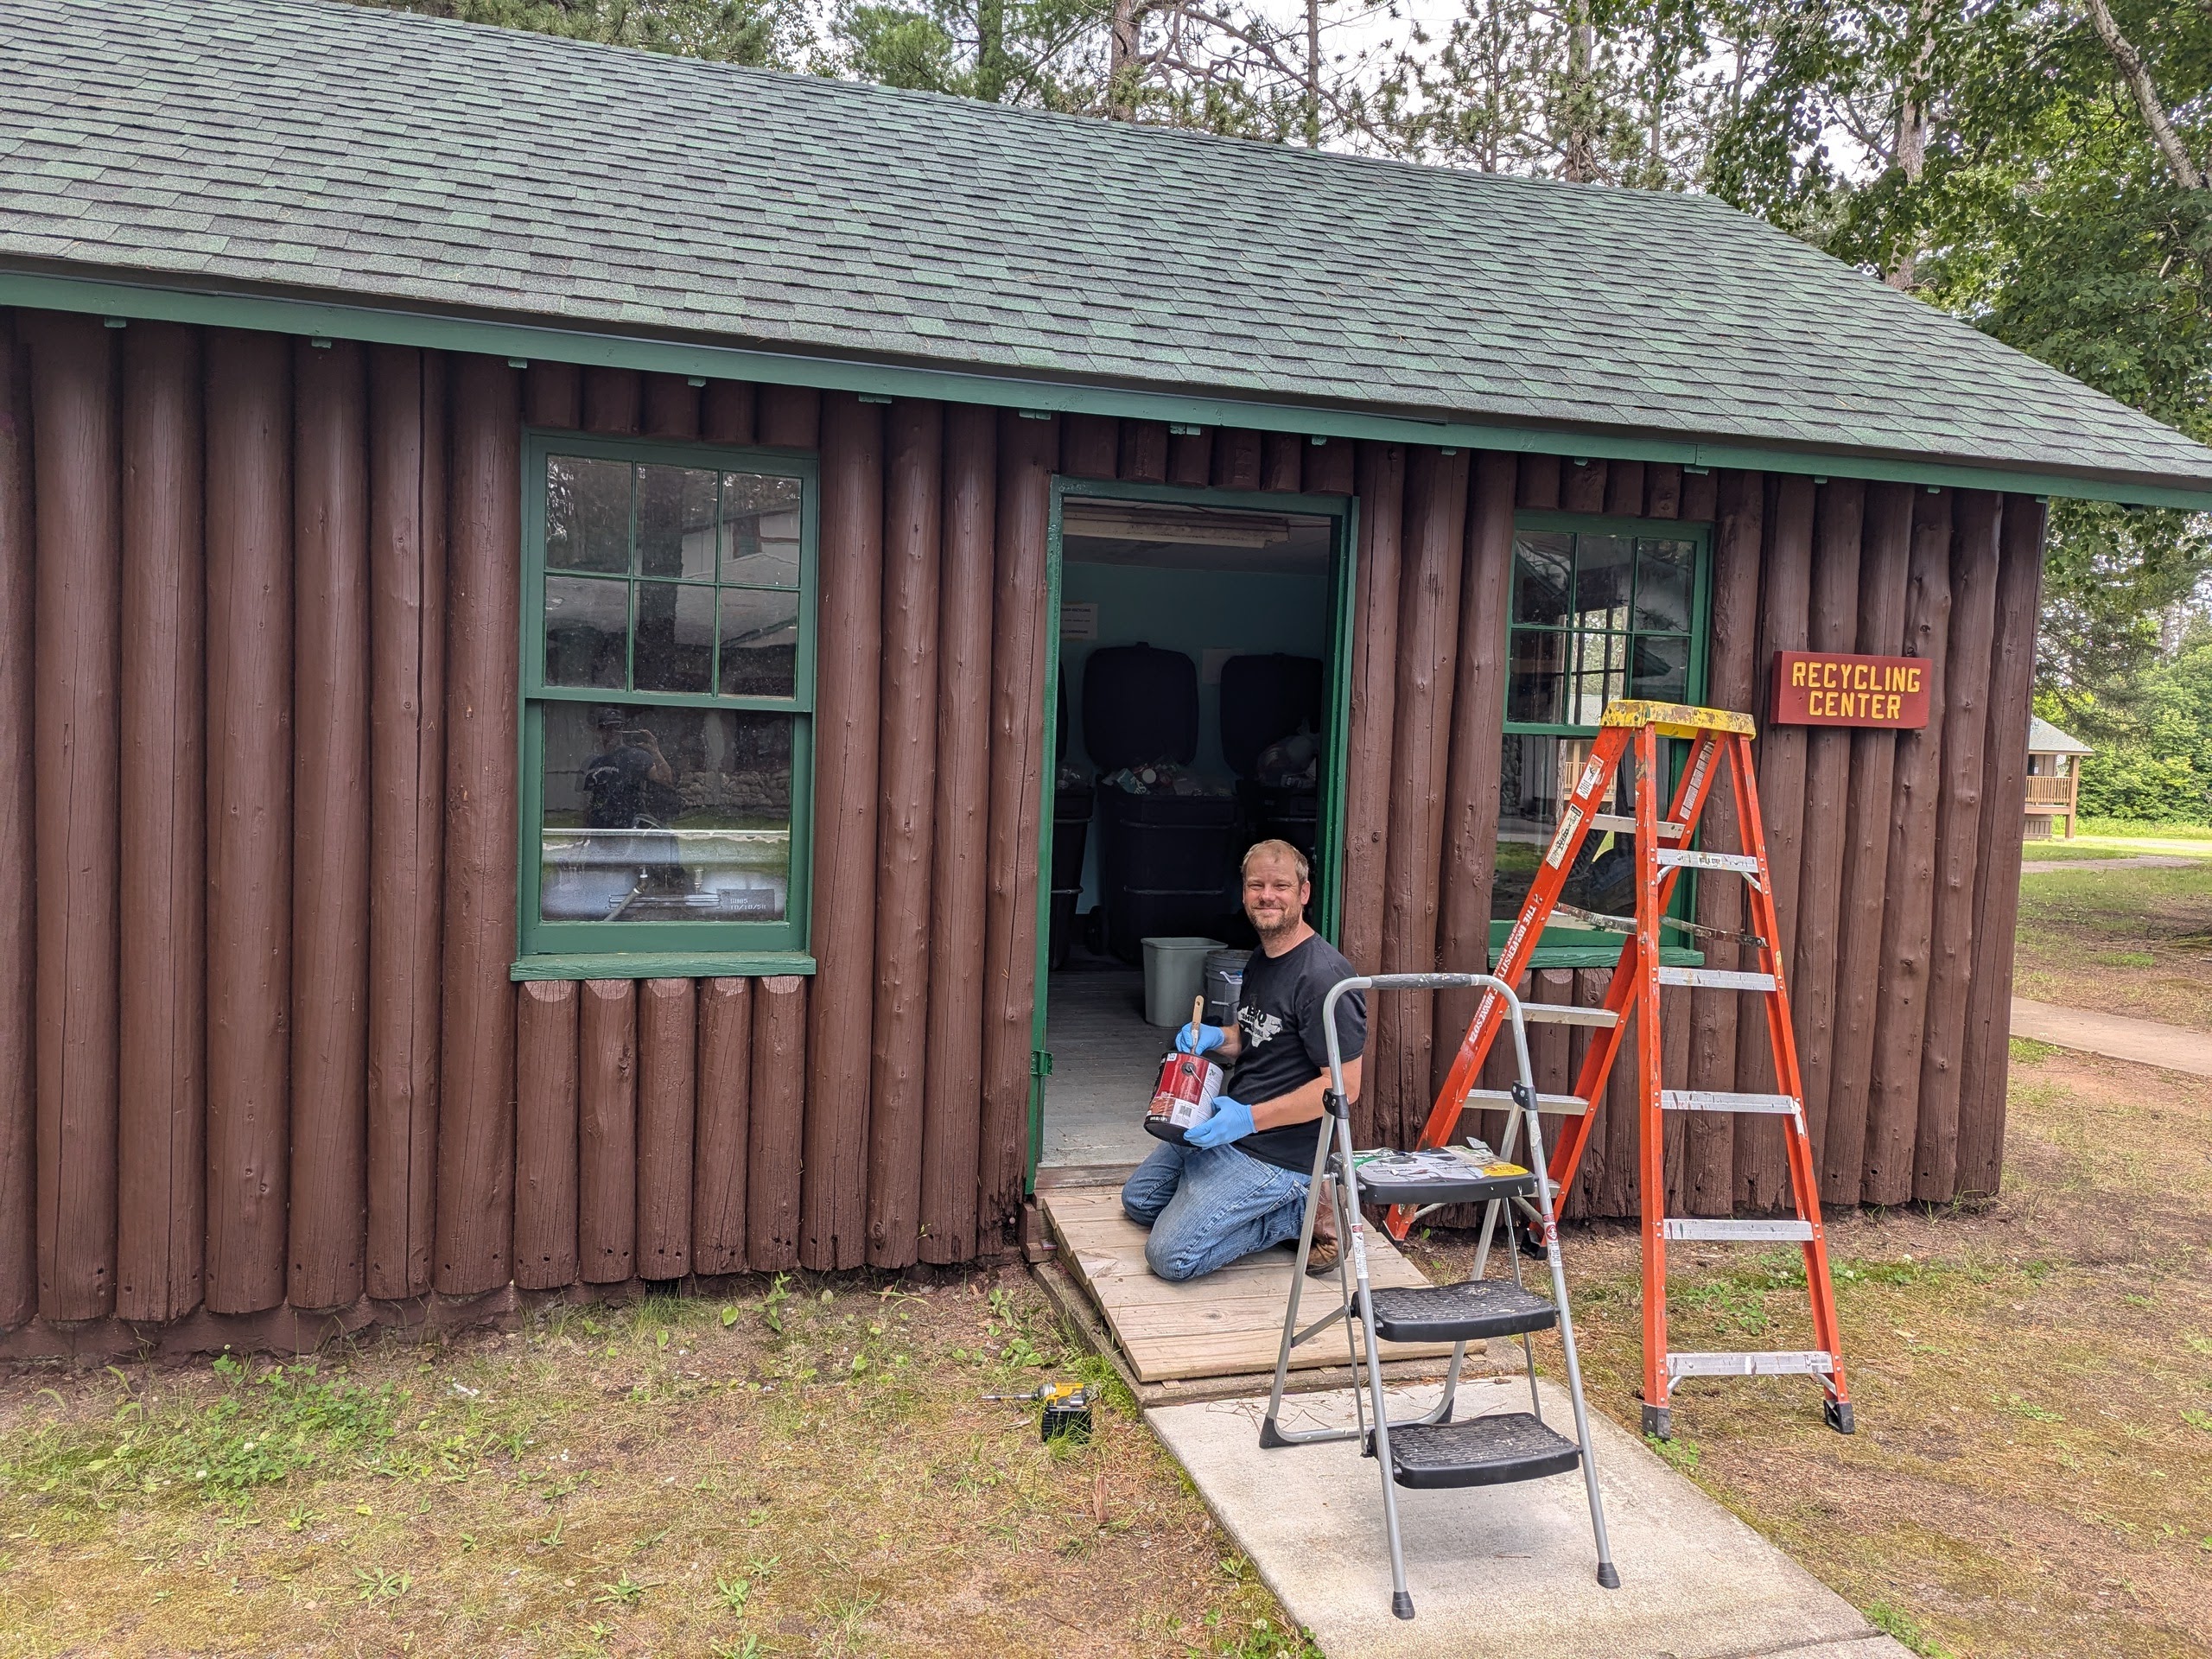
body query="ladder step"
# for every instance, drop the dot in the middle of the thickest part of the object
(1721, 1100)
(1775, 1363)
(1564, 1105)
(1462, 1312)
(1716, 979)
(1722, 1228)
(1566, 1014)
(1481, 1452)
(1621, 826)
(1690, 859)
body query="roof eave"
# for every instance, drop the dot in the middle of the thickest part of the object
(522, 337)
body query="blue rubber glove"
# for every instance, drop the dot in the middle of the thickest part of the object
(1198, 1039)
(1231, 1121)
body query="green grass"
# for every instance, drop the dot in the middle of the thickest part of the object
(267, 1424)
(2126, 829)
(1900, 1628)
(802, 1467)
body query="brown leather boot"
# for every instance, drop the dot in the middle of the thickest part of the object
(1322, 1258)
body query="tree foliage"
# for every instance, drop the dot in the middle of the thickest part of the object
(2153, 763)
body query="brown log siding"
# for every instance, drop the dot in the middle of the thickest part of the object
(390, 1116)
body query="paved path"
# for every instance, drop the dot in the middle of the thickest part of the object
(1506, 1571)
(2117, 1036)
(2136, 861)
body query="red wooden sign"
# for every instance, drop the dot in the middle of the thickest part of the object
(1820, 688)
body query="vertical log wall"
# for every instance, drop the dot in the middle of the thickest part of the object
(259, 1045)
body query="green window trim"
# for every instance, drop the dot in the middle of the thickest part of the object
(1568, 945)
(595, 949)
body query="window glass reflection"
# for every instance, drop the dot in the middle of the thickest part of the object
(1664, 573)
(587, 514)
(759, 535)
(656, 814)
(759, 643)
(587, 629)
(1543, 573)
(675, 638)
(676, 523)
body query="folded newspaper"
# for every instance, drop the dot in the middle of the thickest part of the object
(1470, 1162)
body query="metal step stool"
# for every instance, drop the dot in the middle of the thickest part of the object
(1433, 1450)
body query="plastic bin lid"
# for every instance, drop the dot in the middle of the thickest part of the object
(1264, 698)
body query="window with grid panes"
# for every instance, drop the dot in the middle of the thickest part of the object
(668, 689)
(1597, 612)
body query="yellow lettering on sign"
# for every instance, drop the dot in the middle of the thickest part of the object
(1913, 680)
(1896, 705)
(1797, 671)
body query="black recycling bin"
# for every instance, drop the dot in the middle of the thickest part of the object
(1267, 699)
(1167, 862)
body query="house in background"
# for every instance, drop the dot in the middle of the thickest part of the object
(2054, 780)
(531, 579)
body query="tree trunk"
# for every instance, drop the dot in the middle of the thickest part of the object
(2146, 93)
(1312, 75)
(1581, 157)
(990, 51)
(1122, 70)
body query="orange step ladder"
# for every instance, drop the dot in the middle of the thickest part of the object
(1717, 737)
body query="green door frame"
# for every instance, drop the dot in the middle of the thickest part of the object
(1342, 511)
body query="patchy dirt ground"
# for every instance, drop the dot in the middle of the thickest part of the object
(809, 1469)
(2133, 941)
(2033, 1473)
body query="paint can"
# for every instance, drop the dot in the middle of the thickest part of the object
(1184, 1098)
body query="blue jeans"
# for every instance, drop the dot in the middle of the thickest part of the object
(1208, 1207)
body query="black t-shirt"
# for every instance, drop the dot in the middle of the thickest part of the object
(623, 792)
(1279, 1026)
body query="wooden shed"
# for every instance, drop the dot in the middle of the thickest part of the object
(534, 584)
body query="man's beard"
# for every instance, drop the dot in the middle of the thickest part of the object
(1286, 922)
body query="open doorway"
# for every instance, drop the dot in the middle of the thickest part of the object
(1199, 700)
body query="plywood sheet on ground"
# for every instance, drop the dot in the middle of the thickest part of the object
(1228, 1324)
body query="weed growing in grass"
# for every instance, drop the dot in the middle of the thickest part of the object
(267, 1425)
(374, 1584)
(744, 1648)
(625, 1591)
(2125, 959)
(733, 1592)
(771, 1305)
(1679, 1452)
(2026, 1051)
(2021, 1407)
(1893, 1623)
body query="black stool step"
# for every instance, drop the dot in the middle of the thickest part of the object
(1462, 1312)
(1481, 1452)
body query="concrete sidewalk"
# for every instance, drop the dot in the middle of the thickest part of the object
(2116, 1036)
(1506, 1571)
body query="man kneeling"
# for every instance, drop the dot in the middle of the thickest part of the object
(1238, 1184)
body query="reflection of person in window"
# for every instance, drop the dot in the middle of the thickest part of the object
(619, 778)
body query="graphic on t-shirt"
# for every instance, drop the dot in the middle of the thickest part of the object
(1259, 1027)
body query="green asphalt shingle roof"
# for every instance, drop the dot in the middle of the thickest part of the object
(2043, 738)
(309, 147)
